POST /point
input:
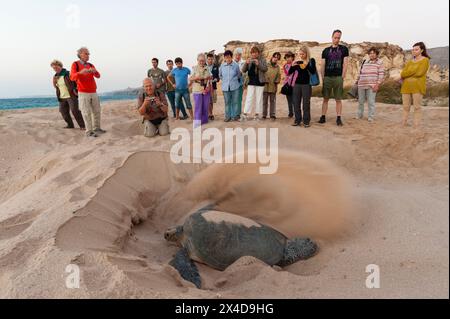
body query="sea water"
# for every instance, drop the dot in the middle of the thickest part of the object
(49, 102)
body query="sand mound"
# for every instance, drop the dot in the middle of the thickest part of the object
(146, 187)
(149, 190)
(307, 197)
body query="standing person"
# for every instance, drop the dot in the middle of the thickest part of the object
(256, 67)
(290, 80)
(152, 106)
(277, 55)
(214, 70)
(170, 91)
(301, 95)
(66, 93)
(230, 75)
(273, 78)
(238, 59)
(84, 74)
(201, 80)
(181, 85)
(333, 71)
(414, 86)
(369, 80)
(158, 76)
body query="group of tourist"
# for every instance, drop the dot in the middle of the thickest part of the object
(260, 78)
(77, 93)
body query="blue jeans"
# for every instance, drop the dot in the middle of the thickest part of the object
(171, 98)
(371, 98)
(181, 95)
(232, 109)
(240, 97)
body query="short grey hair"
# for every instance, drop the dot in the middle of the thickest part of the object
(150, 80)
(238, 51)
(80, 50)
(201, 55)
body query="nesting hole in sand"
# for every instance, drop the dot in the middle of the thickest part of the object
(130, 212)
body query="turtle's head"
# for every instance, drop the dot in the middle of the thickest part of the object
(174, 235)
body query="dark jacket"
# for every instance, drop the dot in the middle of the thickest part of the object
(262, 69)
(303, 75)
(71, 86)
(215, 76)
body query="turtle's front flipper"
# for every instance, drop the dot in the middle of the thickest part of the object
(298, 249)
(186, 267)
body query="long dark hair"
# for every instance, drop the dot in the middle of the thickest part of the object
(423, 47)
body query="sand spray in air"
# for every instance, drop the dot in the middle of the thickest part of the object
(307, 196)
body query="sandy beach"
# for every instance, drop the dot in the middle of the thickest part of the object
(104, 204)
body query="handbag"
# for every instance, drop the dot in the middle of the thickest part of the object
(314, 79)
(286, 89)
(354, 90)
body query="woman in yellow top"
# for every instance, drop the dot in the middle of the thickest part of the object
(414, 86)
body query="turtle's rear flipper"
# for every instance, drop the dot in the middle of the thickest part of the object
(298, 249)
(186, 267)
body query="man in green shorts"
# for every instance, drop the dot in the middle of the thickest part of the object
(334, 69)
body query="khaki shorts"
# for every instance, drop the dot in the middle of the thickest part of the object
(333, 86)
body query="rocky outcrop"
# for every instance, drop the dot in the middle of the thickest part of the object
(393, 56)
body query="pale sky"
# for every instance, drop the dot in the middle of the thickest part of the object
(123, 36)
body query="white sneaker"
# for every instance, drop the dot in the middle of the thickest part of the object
(243, 118)
(371, 120)
(256, 118)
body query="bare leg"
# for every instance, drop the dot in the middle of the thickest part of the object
(339, 107)
(406, 108)
(325, 107)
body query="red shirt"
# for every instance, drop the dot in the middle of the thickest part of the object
(85, 82)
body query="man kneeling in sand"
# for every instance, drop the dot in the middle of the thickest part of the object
(152, 105)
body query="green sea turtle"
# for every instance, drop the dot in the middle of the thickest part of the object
(219, 239)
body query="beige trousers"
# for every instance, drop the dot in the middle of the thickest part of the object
(416, 101)
(90, 108)
(151, 130)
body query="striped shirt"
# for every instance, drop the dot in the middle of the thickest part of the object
(372, 73)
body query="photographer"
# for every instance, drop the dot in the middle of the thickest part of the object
(302, 91)
(84, 74)
(152, 105)
(256, 67)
